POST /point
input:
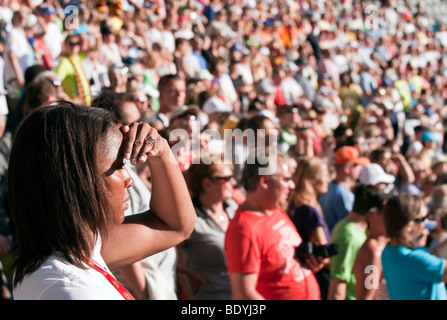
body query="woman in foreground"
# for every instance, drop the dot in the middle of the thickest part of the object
(68, 193)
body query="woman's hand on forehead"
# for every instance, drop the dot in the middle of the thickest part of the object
(136, 145)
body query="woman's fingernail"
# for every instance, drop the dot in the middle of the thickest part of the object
(127, 156)
(133, 161)
(143, 158)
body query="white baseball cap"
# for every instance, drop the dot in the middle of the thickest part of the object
(216, 104)
(191, 109)
(373, 174)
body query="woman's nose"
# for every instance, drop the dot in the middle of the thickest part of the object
(128, 180)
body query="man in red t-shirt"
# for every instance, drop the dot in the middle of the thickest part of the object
(260, 241)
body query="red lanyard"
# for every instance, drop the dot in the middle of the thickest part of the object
(118, 286)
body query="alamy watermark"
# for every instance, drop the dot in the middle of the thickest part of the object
(71, 21)
(372, 17)
(372, 281)
(236, 146)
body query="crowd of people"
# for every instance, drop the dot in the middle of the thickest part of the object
(348, 97)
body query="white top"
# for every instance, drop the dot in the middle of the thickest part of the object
(18, 43)
(56, 279)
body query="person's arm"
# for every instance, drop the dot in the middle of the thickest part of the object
(366, 256)
(337, 289)
(340, 269)
(243, 286)
(133, 275)
(182, 276)
(188, 278)
(304, 144)
(16, 67)
(405, 170)
(171, 218)
(444, 275)
(318, 235)
(441, 251)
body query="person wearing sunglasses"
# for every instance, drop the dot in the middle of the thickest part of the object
(206, 276)
(411, 272)
(72, 73)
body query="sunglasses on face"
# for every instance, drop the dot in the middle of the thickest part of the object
(422, 219)
(56, 83)
(283, 178)
(187, 116)
(72, 44)
(291, 110)
(222, 179)
(286, 179)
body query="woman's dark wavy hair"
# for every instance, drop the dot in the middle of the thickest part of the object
(57, 193)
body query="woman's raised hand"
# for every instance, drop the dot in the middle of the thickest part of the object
(142, 141)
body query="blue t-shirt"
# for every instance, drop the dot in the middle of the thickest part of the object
(336, 203)
(413, 274)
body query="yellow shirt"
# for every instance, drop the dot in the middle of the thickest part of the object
(66, 70)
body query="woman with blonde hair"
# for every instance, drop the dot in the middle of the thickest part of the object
(311, 179)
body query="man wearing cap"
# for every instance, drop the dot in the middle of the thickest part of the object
(217, 111)
(337, 202)
(429, 146)
(373, 174)
(183, 116)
